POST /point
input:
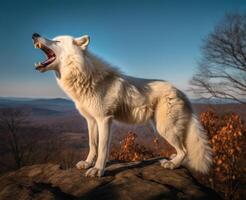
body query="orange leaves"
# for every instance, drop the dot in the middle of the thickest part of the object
(130, 150)
(227, 134)
(228, 139)
(219, 162)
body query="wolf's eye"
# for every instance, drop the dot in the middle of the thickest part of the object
(56, 41)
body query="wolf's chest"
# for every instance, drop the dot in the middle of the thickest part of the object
(75, 88)
(68, 90)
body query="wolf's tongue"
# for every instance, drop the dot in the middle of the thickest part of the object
(48, 61)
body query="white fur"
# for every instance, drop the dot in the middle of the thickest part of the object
(199, 153)
(102, 94)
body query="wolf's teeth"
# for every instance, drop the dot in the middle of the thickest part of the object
(37, 45)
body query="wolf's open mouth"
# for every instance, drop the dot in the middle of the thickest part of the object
(51, 56)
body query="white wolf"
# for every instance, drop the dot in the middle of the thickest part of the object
(101, 93)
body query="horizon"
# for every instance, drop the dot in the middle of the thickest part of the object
(201, 100)
(159, 40)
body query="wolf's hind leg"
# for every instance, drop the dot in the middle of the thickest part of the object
(172, 116)
(93, 143)
(171, 121)
(176, 160)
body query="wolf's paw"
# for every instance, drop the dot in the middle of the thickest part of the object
(173, 156)
(94, 172)
(83, 165)
(167, 164)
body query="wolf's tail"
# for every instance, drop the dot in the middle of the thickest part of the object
(199, 153)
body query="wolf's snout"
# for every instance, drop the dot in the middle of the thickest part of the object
(35, 35)
(35, 38)
(41, 43)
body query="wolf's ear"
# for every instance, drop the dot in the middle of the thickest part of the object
(82, 41)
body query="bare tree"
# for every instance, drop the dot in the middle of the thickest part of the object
(11, 121)
(222, 69)
(23, 143)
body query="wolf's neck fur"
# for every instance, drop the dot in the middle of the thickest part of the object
(98, 68)
(82, 76)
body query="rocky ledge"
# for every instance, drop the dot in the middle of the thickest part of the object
(144, 180)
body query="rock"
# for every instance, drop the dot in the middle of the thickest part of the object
(144, 180)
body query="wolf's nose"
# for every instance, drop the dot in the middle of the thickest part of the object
(35, 35)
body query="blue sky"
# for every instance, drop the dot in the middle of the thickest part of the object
(150, 39)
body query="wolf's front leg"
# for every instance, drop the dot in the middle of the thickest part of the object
(103, 148)
(93, 143)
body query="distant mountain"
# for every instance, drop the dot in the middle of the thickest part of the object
(54, 104)
(65, 108)
(55, 100)
(63, 103)
(213, 101)
(39, 107)
(20, 102)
